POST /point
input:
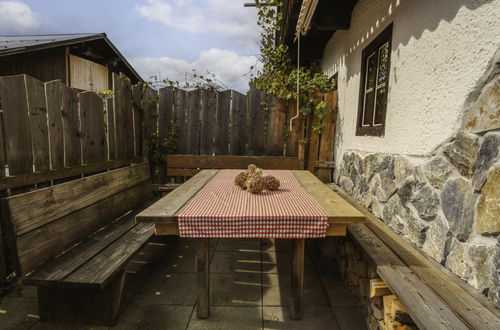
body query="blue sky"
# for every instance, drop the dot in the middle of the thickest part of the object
(159, 37)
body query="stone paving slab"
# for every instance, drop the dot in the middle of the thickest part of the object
(235, 290)
(236, 262)
(18, 313)
(281, 245)
(239, 244)
(168, 288)
(313, 318)
(277, 290)
(234, 318)
(249, 290)
(275, 262)
(154, 316)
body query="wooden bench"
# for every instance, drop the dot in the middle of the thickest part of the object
(433, 298)
(73, 240)
(189, 165)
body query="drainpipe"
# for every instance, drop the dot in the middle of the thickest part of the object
(303, 24)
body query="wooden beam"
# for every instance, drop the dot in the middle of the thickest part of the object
(230, 162)
(164, 229)
(378, 288)
(425, 307)
(167, 208)
(52, 203)
(336, 229)
(297, 279)
(39, 177)
(336, 208)
(203, 278)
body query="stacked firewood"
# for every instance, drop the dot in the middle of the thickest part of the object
(384, 310)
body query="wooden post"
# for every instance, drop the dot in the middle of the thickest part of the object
(203, 278)
(75, 306)
(3, 266)
(297, 280)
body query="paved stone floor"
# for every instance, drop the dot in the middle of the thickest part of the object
(250, 281)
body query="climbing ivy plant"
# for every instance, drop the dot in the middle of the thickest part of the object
(278, 75)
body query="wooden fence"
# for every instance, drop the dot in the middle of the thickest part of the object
(50, 132)
(230, 123)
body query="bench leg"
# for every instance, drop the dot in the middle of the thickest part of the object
(77, 306)
(297, 280)
(203, 278)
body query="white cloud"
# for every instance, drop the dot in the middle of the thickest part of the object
(16, 17)
(224, 17)
(229, 67)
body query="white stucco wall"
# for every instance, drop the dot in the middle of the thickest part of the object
(440, 48)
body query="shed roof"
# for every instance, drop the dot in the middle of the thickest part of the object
(17, 44)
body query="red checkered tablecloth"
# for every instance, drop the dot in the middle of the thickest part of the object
(221, 209)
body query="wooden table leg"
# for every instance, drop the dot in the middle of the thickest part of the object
(297, 280)
(203, 278)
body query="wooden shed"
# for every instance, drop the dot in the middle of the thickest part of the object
(81, 61)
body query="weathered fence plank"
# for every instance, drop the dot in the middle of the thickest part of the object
(193, 122)
(94, 148)
(150, 106)
(221, 130)
(208, 113)
(35, 92)
(275, 130)
(239, 133)
(109, 113)
(165, 114)
(165, 122)
(325, 154)
(124, 118)
(16, 124)
(53, 95)
(137, 94)
(180, 119)
(71, 127)
(313, 144)
(257, 123)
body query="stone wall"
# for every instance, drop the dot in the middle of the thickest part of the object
(447, 204)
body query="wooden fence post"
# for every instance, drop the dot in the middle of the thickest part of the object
(221, 130)
(327, 142)
(257, 117)
(239, 123)
(165, 117)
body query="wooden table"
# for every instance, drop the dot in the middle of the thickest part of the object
(164, 214)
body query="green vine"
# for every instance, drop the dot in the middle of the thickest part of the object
(193, 80)
(278, 75)
(159, 146)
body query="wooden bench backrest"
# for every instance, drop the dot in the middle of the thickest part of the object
(189, 165)
(45, 222)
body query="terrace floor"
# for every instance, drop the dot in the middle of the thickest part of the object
(249, 282)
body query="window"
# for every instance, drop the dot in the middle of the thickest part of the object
(374, 85)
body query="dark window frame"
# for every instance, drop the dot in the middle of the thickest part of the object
(384, 37)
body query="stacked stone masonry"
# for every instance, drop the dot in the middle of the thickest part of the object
(452, 217)
(447, 204)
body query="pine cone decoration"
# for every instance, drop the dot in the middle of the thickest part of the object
(252, 169)
(254, 184)
(271, 183)
(240, 180)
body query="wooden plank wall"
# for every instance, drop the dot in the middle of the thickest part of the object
(222, 123)
(230, 123)
(50, 132)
